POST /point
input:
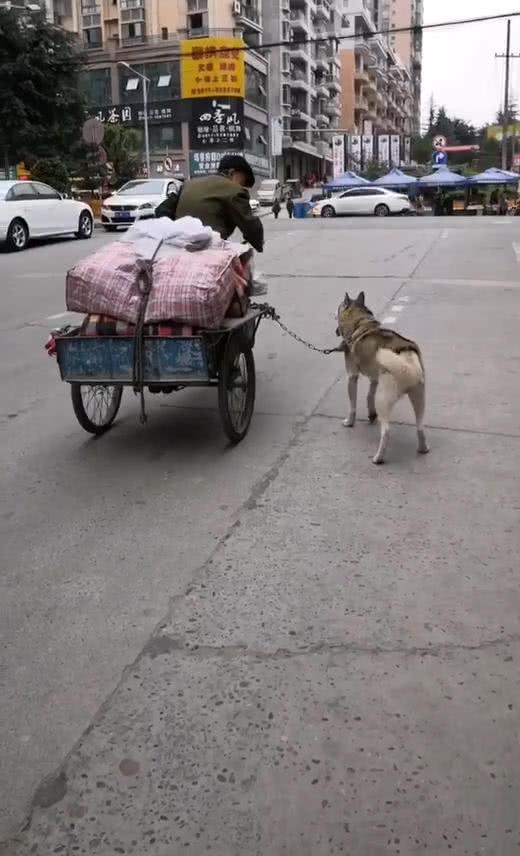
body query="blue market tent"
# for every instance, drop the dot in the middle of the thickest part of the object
(443, 177)
(346, 180)
(395, 178)
(495, 176)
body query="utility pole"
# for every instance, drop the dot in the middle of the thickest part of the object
(508, 56)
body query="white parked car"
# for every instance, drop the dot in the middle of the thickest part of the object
(136, 200)
(31, 209)
(255, 205)
(363, 200)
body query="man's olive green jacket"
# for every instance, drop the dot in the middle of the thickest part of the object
(218, 202)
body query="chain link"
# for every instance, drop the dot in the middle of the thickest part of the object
(268, 311)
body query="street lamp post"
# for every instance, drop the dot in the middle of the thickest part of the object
(146, 81)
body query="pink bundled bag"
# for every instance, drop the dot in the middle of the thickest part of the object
(106, 283)
(196, 288)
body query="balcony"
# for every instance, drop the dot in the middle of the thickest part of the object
(300, 115)
(323, 120)
(334, 84)
(249, 17)
(322, 10)
(322, 91)
(361, 103)
(361, 75)
(333, 110)
(300, 82)
(300, 53)
(299, 23)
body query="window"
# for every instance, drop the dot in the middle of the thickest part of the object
(96, 86)
(43, 191)
(164, 82)
(132, 84)
(93, 37)
(256, 91)
(24, 190)
(198, 23)
(164, 33)
(164, 137)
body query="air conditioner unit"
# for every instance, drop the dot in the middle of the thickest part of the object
(237, 7)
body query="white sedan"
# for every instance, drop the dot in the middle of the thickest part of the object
(31, 209)
(364, 200)
(136, 200)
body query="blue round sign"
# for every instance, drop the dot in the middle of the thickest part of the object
(440, 158)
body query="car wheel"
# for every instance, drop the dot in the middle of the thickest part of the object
(382, 211)
(109, 228)
(17, 235)
(328, 211)
(85, 226)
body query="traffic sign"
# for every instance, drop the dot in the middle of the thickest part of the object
(93, 131)
(440, 158)
(168, 164)
(439, 142)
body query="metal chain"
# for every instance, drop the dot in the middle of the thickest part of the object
(270, 312)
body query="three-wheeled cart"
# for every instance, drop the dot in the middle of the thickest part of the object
(99, 367)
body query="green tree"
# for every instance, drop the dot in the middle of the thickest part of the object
(87, 168)
(123, 147)
(41, 107)
(373, 169)
(52, 171)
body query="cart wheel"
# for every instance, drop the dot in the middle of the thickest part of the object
(95, 405)
(236, 387)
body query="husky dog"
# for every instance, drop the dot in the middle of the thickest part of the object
(392, 363)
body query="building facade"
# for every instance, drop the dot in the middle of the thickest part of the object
(380, 74)
(146, 35)
(305, 83)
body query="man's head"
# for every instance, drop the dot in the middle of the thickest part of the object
(237, 169)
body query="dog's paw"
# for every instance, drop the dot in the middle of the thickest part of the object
(423, 450)
(349, 422)
(372, 417)
(378, 461)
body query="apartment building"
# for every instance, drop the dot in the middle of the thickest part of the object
(305, 82)
(380, 75)
(399, 15)
(146, 35)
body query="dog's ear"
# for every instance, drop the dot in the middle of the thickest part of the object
(338, 331)
(346, 301)
(360, 300)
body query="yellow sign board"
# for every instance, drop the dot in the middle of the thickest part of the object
(495, 132)
(212, 68)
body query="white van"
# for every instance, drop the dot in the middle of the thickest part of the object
(269, 190)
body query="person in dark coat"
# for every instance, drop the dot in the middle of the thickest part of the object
(220, 201)
(290, 207)
(276, 208)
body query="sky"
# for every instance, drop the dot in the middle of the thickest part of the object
(459, 65)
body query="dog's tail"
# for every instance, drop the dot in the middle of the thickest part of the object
(406, 367)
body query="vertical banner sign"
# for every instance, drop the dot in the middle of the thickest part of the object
(276, 136)
(212, 68)
(407, 151)
(383, 149)
(368, 148)
(213, 86)
(338, 155)
(355, 152)
(395, 150)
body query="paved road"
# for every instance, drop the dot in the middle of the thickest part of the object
(278, 648)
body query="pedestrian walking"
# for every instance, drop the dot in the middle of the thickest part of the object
(276, 208)
(290, 207)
